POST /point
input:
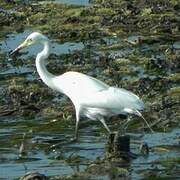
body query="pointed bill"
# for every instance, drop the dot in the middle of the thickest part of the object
(21, 46)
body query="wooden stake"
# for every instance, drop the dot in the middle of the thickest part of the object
(118, 146)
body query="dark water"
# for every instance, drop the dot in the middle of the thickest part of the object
(69, 158)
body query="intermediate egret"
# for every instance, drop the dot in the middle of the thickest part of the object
(91, 97)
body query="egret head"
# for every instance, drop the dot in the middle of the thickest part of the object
(33, 38)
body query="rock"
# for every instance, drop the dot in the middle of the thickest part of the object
(34, 176)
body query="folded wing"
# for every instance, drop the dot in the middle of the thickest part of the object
(117, 100)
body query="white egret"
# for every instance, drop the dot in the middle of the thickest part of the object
(91, 97)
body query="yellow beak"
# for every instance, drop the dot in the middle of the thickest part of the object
(21, 46)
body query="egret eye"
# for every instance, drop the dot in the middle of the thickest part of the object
(29, 41)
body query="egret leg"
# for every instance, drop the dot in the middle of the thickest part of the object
(71, 140)
(126, 124)
(105, 125)
(76, 128)
(77, 124)
(140, 115)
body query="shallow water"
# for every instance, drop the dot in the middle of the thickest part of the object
(40, 156)
(74, 2)
(42, 133)
(70, 2)
(70, 158)
(14, 39)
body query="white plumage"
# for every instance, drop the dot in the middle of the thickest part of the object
(91, 97)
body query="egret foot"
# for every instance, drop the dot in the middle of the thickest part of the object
(74, 140)
(65, 142)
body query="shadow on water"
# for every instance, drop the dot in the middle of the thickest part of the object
(42, 132)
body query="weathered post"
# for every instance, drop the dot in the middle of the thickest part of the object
(118, 146)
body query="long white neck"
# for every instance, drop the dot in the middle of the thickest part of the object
(41, 65)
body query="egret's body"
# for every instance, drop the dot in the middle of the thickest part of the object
(92, 98)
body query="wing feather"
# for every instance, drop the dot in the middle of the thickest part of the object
(113, 98)
(89, 92)
(77, 85)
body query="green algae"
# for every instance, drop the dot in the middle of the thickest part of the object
(174, 94)
(174, 77)
(169, 162)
